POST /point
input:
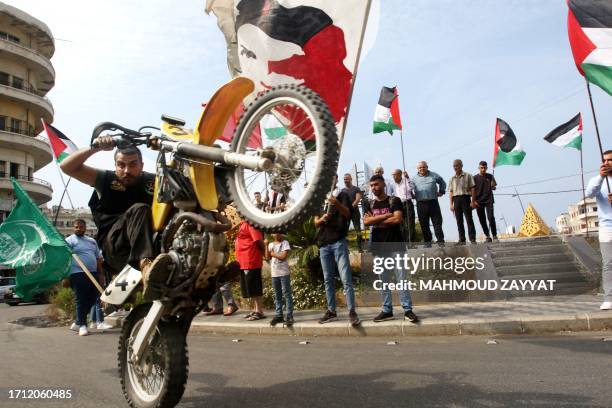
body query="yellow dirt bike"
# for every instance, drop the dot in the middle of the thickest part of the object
(285, 143)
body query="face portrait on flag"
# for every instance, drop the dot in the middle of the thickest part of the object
(279, 44)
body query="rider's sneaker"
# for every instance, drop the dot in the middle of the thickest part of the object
(83, 331)
(276, 320)
(289, 321)
(154, 275)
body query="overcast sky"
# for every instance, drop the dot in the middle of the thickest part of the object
(458, 65)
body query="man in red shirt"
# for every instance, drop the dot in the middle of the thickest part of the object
(249, 254)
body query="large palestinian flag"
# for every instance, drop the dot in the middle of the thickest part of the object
(507, 150)
(568, 134)
(589, 25)
(61, 145)
(387, 115)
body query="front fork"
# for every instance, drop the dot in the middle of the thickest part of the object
(147, 329)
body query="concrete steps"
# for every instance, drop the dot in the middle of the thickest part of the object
(528, 269)
(515, 251)
(559, 290)
(519, 243)
(569, 276)
(539, 259)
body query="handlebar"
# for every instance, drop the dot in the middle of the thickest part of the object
(125, 139)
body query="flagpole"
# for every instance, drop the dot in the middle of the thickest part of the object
(348, 108)
(583, 193)
(59, 170)
(596, 129)
(402, 141)
(59, 206)
(88, 273)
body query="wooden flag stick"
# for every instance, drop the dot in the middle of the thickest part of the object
(597, 130)
(89, 275)
(586, 216)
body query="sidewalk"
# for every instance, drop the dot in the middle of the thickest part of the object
(527, 315)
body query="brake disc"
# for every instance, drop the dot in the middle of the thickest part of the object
(289, 164)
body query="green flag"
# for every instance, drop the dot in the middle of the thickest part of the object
(31, 245)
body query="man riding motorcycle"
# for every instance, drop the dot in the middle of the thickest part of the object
(120, 206)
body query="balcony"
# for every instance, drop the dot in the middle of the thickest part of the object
(33, 59)
(31, 98)
(18, 139)
(592, 214)
(39, 190)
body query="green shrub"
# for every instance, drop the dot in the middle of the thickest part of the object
(306, 295)
(65, 301)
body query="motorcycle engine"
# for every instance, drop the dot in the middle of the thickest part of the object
(197, 252)
(186, 249)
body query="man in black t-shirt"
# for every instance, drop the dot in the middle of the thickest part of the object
(384, 214)
(332, 228)
(354, 193)
(485, 184)
(120, 206)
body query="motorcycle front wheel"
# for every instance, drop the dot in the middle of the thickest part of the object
(292, 126)
(159, 380)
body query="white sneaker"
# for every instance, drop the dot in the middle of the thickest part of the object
(83, 331)
(74, 327)
(606, 306)
(104, 326)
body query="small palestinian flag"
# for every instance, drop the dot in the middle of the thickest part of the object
(273, 128)
(507, 150)
(61, 145)
(589, 25)
(568, 134)
(387, 115)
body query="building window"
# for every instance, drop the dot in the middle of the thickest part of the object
(2, 169)
(17, 82)
(9, 37)
(597, 223)
(15, 170)
(30, 173)
(3, 122)
(4, 78)
(15, 125)
(594, 209)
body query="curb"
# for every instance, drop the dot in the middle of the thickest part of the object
(595, 321)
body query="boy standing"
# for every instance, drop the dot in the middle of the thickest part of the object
(277, 252)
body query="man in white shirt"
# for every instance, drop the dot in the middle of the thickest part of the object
(603, 195)
(403, 188)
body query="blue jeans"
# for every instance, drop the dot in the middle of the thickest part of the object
(97, 315)
(86, 295)
(225, 291)
(337, 254)
(404, 295)
(282, 287)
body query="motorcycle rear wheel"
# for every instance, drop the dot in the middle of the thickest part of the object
(165, 361)
(304, 142)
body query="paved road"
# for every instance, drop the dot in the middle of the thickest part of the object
(569, 370)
